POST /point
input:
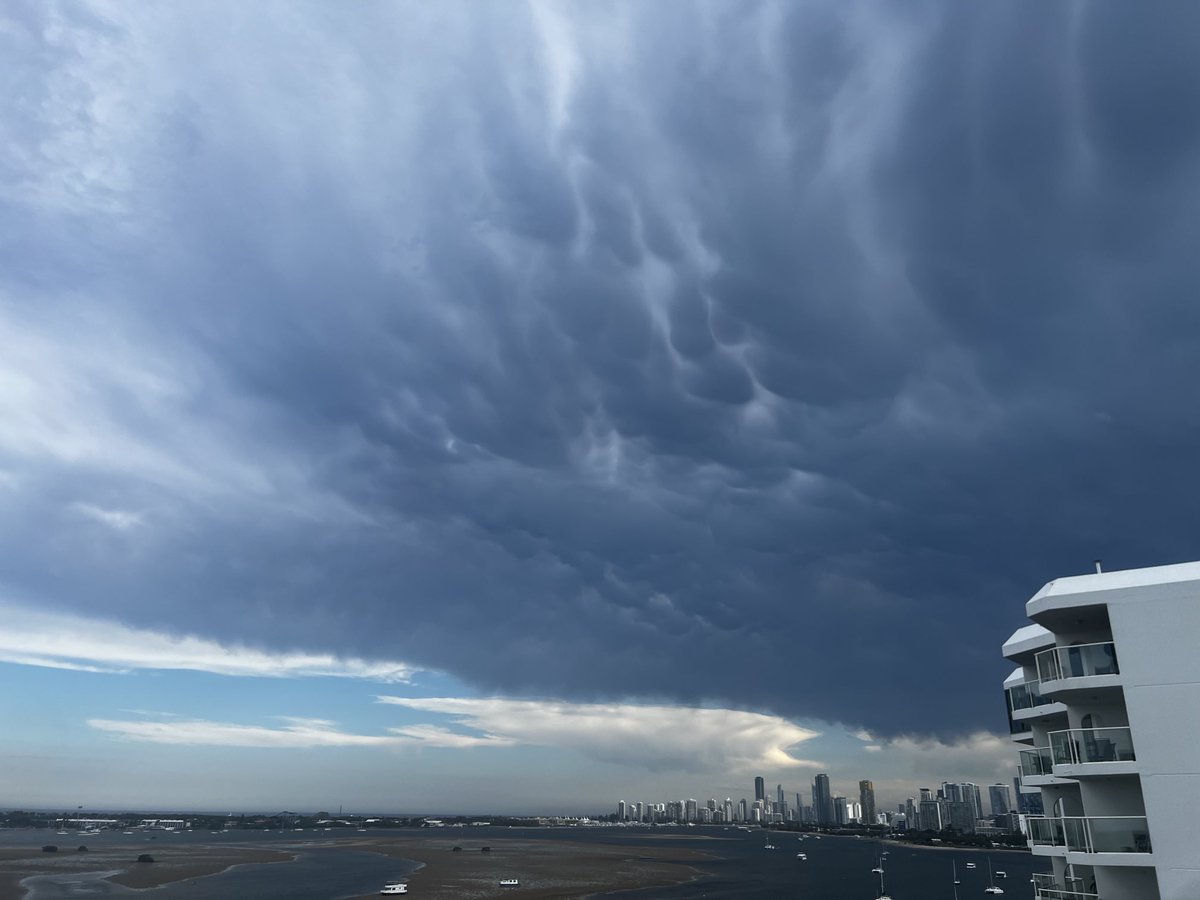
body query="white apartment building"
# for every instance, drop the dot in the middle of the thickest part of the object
(1105, 700)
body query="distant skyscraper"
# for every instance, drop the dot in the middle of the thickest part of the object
(866, 798)
(930, 815)
(622, 815)
(760, 788)
(926, 794)
(823, 800)
(971, 794)
(998, 798)
(960, 815)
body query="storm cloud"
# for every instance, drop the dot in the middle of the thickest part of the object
(767, 356)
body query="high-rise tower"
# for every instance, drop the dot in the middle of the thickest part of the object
(823, 800)
(760, 788)
(866, 798)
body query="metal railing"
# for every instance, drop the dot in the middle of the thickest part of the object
(1045, 887)
(1091, 745)
(1092, 834)
(1077, 661)
(1037, 761)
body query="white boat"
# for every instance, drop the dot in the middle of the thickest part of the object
(878, 866)
(801, 856)
(509, 882)
(991, 888)
(970, 865)
(954, 869)
(394, 887)
(769, 847)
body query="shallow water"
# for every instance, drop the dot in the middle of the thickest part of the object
(837, 868)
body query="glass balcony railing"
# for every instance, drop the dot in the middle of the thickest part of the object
(1092, 834)
(1026, 696)
(1038, 761)
(1077, 661)
(1046, 888)
(1091, 745)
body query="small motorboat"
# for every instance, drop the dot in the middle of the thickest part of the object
(801, 856)
(509, 882)
(394, 887)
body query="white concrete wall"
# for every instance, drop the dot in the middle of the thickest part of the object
(1158, 648)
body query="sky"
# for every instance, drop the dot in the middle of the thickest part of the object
(525, 406)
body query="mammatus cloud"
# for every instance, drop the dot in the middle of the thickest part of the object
(654, 737)
(63, 641)
(657, 738)
(796, 338)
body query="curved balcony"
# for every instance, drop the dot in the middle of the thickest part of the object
(1091, 834)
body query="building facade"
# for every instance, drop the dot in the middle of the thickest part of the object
(1105, 701)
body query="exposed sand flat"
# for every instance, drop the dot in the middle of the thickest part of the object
(545, 868)
(170, 864)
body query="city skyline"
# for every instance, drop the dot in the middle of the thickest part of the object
(500, 406)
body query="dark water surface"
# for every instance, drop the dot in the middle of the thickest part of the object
(837, 868)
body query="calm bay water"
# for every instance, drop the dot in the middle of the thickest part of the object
(837, 868)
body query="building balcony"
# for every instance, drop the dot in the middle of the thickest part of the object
(1077, 750)
(1046, 888)
(1076, 661)
(1037, 767)
(1026, 701)
(1091, 834)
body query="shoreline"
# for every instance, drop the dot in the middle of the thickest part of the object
(952, 847)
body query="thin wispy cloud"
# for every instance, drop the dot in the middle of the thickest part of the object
(63, 641)
(296, 733)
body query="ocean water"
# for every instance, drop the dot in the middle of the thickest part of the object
(837, 868)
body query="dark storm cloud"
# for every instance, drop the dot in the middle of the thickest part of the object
(767, 356)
